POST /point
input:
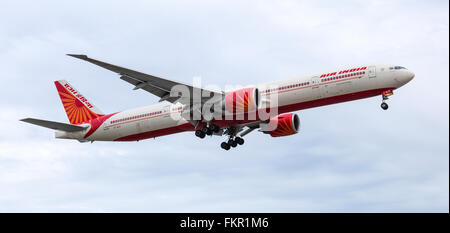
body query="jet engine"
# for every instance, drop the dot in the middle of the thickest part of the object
(283, 125)
(242, 101)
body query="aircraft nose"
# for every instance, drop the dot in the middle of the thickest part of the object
(404, 76)
(409, 76)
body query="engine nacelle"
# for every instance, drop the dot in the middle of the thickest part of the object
(242, 101)
(286, 124)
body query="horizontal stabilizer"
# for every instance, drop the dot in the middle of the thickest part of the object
(55, 125)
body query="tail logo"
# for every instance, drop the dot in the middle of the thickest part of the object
(79, 97)
(78, 108)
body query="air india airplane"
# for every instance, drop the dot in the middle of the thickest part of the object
(267, 107)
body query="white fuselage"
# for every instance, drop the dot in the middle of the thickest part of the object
(292, 95)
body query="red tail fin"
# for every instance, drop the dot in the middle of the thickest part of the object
(78, 108)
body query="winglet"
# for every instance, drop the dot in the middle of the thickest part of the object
(80, 56)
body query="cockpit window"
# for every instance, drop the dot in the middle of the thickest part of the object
(399, 67)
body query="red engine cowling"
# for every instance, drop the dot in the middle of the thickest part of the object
(242, 101)
(286, 124)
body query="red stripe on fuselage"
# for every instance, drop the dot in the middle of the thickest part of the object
(158, 133)
(332, 100)
(96, 123)
(281, 109)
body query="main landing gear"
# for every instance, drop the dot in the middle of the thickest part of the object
(385, 95)
(207, 130)
(200, 134)
(232, 143)
(233, 140)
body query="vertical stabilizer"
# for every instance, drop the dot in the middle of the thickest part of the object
(78, 108)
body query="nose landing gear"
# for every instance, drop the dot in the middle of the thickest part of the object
(385, 95)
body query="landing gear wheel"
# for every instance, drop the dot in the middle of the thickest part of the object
(384, 106)
(225, 146)
(199, 134)
(207, 131)
(239, 140)
(214, 128)
(232, 143)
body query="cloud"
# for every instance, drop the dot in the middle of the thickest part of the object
(350, 157)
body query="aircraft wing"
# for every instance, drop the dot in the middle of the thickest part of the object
(55, 125)
(157, 86)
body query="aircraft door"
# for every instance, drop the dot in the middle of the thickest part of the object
(166, 111)
(372, 71)
(316, 88)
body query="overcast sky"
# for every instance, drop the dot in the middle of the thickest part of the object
(349, 157)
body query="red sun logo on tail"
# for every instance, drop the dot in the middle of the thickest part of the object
(76, 106)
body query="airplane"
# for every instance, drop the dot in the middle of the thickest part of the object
(268, 107)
